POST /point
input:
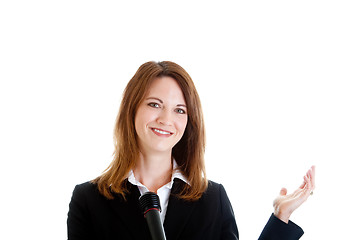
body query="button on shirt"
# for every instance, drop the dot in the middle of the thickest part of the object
(163, 192)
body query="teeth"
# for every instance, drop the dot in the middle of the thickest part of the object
(161, 132)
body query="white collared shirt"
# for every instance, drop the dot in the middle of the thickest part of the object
(163, 192)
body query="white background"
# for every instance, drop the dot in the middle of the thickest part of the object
(278, 80)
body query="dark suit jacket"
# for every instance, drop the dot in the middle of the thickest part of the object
(93, 217)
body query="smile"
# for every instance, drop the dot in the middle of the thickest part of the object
(161, 132)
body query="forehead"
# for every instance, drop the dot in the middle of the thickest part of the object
(165, 87)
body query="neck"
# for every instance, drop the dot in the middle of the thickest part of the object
(154, 171)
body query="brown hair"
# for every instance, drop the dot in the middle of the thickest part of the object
(188, 152)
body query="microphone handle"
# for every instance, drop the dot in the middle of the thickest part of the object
(155, 226)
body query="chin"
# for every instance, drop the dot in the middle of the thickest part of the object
(162, 149)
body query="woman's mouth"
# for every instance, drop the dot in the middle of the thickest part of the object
(161, 132)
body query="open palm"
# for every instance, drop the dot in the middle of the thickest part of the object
(285, 204)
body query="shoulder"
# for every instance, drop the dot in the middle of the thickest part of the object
(215, 193)
(86, 198)
(86, 190)
(214, 188)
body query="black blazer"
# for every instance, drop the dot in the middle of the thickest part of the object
(93, 217)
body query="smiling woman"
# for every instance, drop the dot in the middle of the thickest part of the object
(159, 147)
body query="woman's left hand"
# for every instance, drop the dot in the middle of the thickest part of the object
(285, 205)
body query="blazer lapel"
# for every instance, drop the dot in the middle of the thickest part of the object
(178, 212)
(130, 213)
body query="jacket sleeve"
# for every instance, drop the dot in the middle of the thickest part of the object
(275, 229)
(78, 222)
(229, 230)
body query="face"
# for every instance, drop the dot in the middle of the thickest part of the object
(161, 118)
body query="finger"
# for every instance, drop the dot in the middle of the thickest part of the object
(303, 192)
(302, 185)
(283, 191)
(302, 189)
(312, 177)
(308, 187)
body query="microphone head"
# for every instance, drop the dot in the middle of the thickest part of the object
(149, 200)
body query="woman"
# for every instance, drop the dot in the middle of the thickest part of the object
(159, 146)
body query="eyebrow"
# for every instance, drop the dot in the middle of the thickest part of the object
(158, 99)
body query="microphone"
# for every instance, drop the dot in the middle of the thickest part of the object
(150, 205)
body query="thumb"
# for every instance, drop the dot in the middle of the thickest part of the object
(283, 191)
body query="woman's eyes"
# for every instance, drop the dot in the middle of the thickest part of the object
(181, 111)
(156, 105)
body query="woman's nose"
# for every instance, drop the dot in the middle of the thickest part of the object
(165, 117)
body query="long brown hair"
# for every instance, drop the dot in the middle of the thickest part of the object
(188, 152)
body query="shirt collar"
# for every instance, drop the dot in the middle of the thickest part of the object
(176, 174)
